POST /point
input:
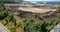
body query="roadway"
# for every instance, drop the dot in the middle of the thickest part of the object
(3, 28)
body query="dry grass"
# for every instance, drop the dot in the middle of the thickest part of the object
(21, 27)
(10, 25)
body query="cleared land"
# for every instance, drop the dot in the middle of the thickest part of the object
(36, 10)
(31, 8)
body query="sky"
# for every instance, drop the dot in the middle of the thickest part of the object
(42, 0)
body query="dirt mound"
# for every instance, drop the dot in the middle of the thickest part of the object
(40, 16)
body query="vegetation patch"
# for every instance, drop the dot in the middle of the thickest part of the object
(40, 26)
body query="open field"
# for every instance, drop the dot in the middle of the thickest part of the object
(36, 10)
(31, 8)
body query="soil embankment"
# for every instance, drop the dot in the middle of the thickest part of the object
(37, 13)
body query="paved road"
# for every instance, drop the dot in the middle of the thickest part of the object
(3, 28)
(56, 28)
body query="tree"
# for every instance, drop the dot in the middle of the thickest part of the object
(19, 1)
(7, 1)
(40, 26)
(11, 1)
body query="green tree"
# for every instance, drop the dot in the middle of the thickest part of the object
(7, 16)
(19, 1)
(11, 1)
(40, 26)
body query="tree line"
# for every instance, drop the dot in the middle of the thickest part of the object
(11, 1)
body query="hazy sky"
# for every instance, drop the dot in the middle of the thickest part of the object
(41, 0)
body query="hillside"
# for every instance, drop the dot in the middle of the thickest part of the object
(25, 21)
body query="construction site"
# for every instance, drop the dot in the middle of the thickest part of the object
(41, 11)
(29, 16)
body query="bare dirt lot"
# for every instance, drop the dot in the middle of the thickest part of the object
(36, 10)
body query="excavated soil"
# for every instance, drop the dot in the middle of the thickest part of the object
(41, 16)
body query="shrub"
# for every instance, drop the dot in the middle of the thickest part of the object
(39, 26)
(3, 11)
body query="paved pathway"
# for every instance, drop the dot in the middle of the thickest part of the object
(56, 28)
(3, 29)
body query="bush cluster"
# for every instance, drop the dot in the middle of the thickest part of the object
(40, 26)
(7, 16)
